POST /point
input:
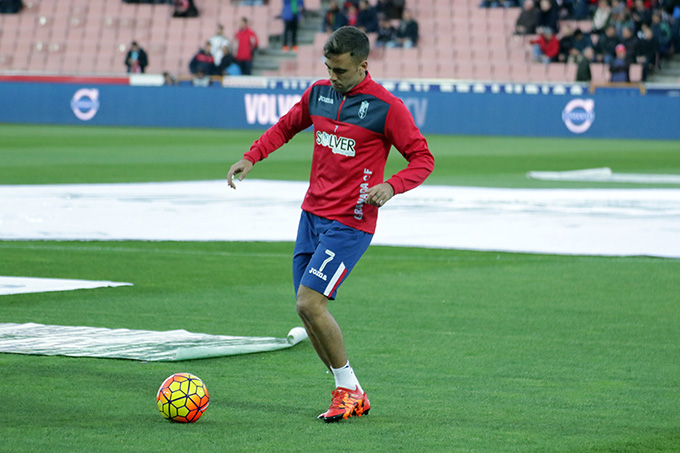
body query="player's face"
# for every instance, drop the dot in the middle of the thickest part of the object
(344, 72)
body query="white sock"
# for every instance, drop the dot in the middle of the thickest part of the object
(345, 378)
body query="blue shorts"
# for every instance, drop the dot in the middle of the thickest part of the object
(325, 253)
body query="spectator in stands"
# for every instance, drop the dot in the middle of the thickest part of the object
(619, 68)
(334, 17)
(601, 18)
(675, 28)
(394, 9)
(246, 42)
(290, 14)
(580, 42)
(546, 47)
(387, 34)
(200, 80)
(184, 8)
(641, 15)
(217, 43)
(136, 59)
(499, 3)
(528, 19)
(380, 8)
(631, 42)
(367, 19)
(648, 51)
(169, 79)
(407, 32)
(549, 15)
(203, 62)
(228, 63)
(663, 34)
(565, 8)
(618, 6)
(352, 13)
(606, 45)
(10, 6)
(583, 60)
(621, 20)
(566, 43)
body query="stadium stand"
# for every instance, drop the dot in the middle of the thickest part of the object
(93, 37)
(459, 40)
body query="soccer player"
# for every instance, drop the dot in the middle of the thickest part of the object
(356, 122)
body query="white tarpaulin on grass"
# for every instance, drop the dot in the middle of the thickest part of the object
(21, 285)
(144, 345)
(612, 222)
(604, 175)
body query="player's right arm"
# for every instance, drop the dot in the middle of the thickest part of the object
(296, 120)
(240, 168)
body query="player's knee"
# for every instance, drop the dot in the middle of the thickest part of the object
(309, 303)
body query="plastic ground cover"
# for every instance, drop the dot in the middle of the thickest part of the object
(143, 345)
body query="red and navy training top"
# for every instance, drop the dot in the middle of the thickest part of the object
(353, 135)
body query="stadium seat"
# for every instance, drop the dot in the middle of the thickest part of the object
(428, 69)
(483, 70)
(635, 72)
(446, 69)
(559, 72)
(502, 71)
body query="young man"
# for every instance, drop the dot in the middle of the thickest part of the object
(246, 44)
(356, 121)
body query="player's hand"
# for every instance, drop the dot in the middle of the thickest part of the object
(380, 194)
(241, 168)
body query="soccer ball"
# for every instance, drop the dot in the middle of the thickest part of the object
(182, 398)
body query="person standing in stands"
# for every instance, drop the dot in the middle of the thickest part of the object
(11, 6)
(407, 32)
(290, 15)
(367, 19)
(334, 17)
(203, 62)
(136, 59)
(619, 68)
(217, 44)
(246, 44)
(184, 8)
(528, 19)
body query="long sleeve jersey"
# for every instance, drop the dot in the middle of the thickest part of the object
(353, 134)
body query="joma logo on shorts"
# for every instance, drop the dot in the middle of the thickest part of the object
(339, 145)
(319, 274)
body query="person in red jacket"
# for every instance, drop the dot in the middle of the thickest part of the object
(356, 122)
(546, 47)
(246, 44)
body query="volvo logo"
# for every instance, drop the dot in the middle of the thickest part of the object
(85, 103)
(578, 115)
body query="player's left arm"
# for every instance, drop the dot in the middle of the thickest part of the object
(402, 132)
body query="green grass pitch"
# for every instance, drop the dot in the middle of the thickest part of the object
(459, 350)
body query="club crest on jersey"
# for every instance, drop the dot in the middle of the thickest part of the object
(339, 145)
(363, 109)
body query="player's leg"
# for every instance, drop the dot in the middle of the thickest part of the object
(349, 399)
(320, 324)
(305, 246)
(337, 248)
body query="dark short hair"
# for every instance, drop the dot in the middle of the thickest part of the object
(350, 40)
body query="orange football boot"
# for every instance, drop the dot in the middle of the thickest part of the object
(346, 403)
